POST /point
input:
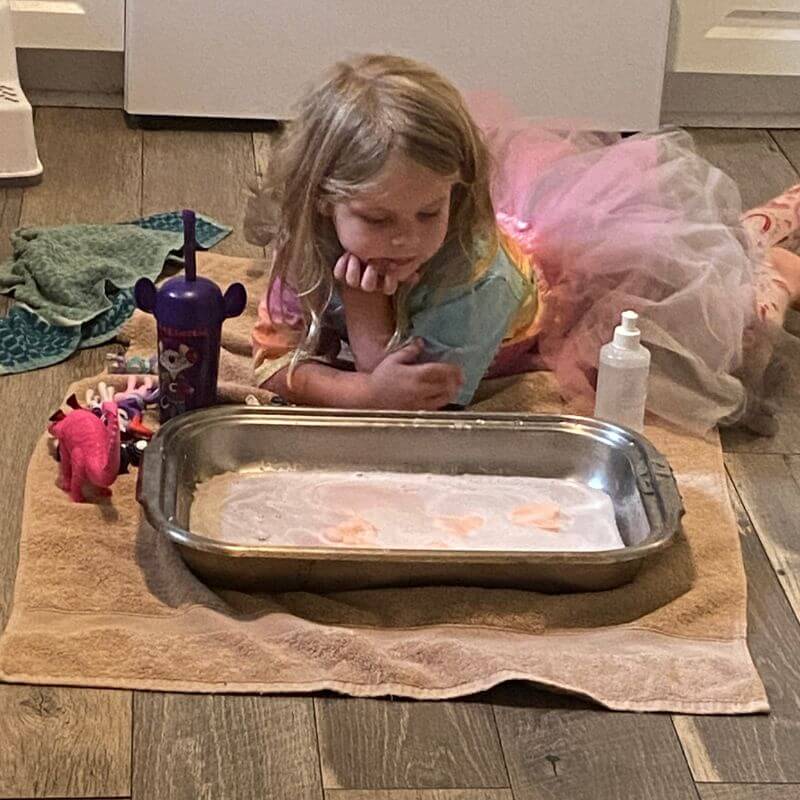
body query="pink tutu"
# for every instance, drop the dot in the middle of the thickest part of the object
(640, 223)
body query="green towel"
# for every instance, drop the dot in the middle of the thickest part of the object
(73, 285)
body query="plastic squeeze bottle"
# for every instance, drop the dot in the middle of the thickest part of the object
(622, 376)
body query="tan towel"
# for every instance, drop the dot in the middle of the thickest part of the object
(102, 600)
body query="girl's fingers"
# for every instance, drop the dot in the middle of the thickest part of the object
(439, 400)
(407, 354)
(369, 283)
(441, 374)
(340, 269)
(353, 274)
(389, 284)
(440, 383)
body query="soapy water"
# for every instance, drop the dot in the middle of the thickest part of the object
(417, 511)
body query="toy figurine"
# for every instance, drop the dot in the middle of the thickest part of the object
(132, 403)
(89, 447)
(131, 365)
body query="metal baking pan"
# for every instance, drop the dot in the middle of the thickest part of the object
(196, 446)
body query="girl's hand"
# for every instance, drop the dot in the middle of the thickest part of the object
(351, 271)
(398, 382)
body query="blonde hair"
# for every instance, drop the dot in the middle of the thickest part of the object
(345, 130)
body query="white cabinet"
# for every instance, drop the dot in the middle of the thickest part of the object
(69, 24)
(598, 61)
(747, 37)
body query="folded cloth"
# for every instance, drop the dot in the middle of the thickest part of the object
(674, 639)
(73, 285)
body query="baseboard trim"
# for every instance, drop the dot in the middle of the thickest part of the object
(44, 98)
(91, 74)
(691, 120)
(731, 101)
(157, 122)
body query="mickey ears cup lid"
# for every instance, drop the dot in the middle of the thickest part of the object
(190, 303)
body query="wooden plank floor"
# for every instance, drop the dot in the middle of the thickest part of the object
(514, 743)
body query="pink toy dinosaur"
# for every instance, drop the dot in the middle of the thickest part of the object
(89, 447)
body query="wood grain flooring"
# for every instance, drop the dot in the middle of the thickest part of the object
(189, 746)
(514, 743)
(403, 745)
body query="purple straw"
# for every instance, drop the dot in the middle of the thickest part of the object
(189, 245)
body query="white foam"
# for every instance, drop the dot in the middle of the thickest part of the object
(404, 510)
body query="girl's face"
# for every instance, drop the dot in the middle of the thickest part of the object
(400, 222)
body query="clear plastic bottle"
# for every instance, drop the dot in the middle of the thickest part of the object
(622, 376)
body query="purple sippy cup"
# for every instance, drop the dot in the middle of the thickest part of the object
(189, 313)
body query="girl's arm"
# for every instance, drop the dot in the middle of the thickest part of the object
(316, 384)
(396, 383)
(370, 325)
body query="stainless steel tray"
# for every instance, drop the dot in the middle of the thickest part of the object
(196, 446)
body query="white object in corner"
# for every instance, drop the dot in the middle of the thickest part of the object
(737, 37)
(18, 156)
(70, 24)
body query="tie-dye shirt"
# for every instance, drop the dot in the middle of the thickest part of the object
(465, 324)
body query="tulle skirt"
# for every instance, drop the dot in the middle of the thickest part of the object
(641, 223)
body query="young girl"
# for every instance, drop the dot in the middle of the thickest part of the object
(438, 254)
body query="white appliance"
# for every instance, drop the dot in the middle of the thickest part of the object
(18, 156)
(600, 62)
(70, 24)
(744, 37)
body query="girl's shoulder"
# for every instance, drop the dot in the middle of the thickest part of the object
(503, 259)
(456, 270)
(523, 261)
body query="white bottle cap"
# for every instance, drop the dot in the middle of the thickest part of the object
(626, 336)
